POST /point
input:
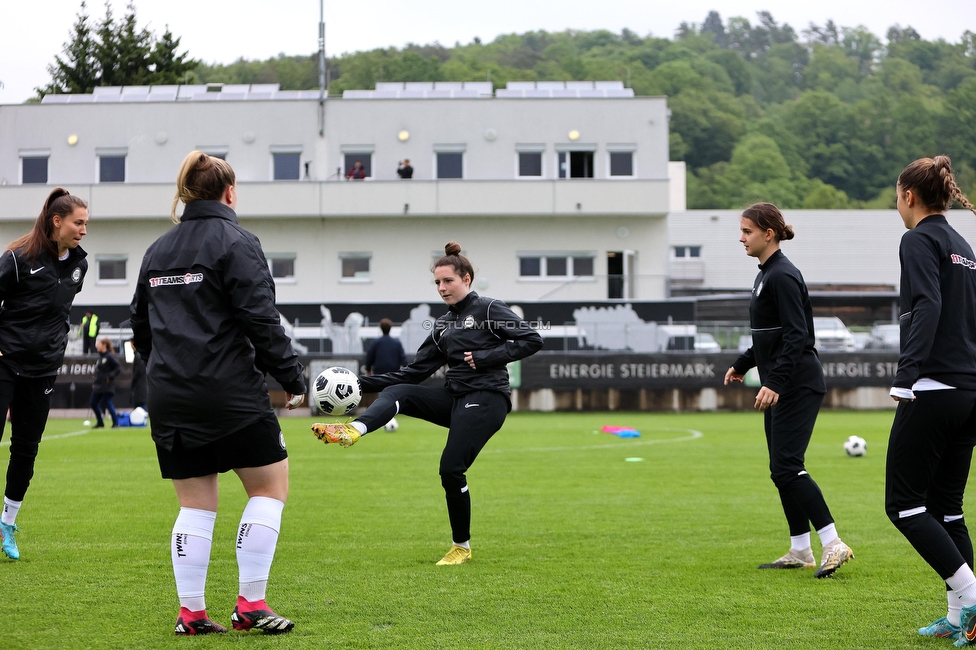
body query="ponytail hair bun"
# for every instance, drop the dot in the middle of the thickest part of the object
(932, 181)
(767, 216)
(453, 258)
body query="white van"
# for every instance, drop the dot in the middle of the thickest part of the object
(832, 335)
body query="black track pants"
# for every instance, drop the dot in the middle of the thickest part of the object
(929, 453)
(789, 426)
(471, 419)
(29, 401)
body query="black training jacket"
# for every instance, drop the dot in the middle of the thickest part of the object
(485, 326)
(782, 330)
(106, 370)
(37, 298)
(204, 318)
(938, 306)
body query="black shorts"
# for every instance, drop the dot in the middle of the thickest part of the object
(256, 445)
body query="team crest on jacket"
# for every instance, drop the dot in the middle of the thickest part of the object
(468, 322)
(759, 288)
(76, 274)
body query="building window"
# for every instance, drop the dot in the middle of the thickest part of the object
(530, 163)
(555, 266)
(282, 266)
(575, 164)
(287, 166)
(355, 266)
(450, 164)
(530, 267)
(621, 163)
(366, 159)
(111, 269)
(34, 170)
(686, 251)
(111, 169)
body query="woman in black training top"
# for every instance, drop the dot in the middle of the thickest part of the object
(476, 338)
(932, 436)
(103, 388)
(792, 390)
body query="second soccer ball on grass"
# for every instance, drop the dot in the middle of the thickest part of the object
(856, 446)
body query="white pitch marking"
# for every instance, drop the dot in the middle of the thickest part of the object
(6, 443)
(694, 435)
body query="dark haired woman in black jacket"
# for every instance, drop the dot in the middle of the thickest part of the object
(476, 339)
(40, 274)
(930, 448)
(107, 368)
(792, 390)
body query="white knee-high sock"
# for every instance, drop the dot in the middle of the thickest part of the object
(10, 510)
(963, 582)
(257, 538)
(191, 542)
(955, 606)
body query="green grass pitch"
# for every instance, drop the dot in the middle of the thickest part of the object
(574, 545)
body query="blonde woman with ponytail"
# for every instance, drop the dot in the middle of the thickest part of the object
(930, 448)
(40, 275)
(204, 319)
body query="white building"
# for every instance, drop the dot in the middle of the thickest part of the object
(556, 191)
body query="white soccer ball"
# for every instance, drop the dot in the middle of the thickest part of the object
(391, 426)
(856, 446)
(336, 391)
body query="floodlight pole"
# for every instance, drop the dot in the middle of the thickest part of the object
(322, 88)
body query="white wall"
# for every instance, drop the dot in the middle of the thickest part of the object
(830, 247)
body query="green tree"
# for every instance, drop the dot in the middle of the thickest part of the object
(167, 65)
(115, 54)
(77, 72)
(825, 197)
(709, 123)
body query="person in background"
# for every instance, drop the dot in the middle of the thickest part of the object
(40, 275)
(477, 338)
(89, 332)
(138, 388)
(793, 388)
(385, 354)
(204, 318)
(357, 172)
(404, 169)
(107, 368)
(930, 448)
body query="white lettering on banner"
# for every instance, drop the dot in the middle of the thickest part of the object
(581, 370)
(888, 369)
(847, 369)
(630, 370)
(77, 369)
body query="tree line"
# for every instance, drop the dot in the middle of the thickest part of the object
(822, 118)
(114, 52)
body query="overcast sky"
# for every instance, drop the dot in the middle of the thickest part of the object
(32, 32)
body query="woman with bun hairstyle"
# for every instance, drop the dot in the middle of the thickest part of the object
(476, 339)
(204, 319)
(931, 444)
(793, 388)
(40, 275)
